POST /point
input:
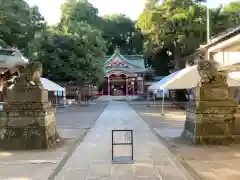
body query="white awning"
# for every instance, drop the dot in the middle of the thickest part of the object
(48, 85)
(51, 86)
(157, 85)
(235, 75)
(185, 79)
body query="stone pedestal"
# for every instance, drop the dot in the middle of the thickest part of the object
(210, 119)
(27, 120)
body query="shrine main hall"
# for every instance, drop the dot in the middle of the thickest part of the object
(124, 75)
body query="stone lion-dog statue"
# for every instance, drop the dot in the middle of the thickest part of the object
(31, 76)
(208, 71)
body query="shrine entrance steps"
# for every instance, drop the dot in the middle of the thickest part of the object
(117, 98)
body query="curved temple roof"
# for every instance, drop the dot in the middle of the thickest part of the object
(128, 64)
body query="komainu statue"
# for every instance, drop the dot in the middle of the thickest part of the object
(210, 118)
(208, 71)
(27, 120)
(26, 87)
(31, 76)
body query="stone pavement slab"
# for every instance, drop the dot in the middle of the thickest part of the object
(72, 124)
(203, 162)
(92, 158)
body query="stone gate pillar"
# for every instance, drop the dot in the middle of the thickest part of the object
(210, 117)
(109, 88)
(27, 120)
(126, 86)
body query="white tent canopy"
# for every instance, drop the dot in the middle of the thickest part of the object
(51, 86)
(158, 85)
(184, 79)
(48, 85)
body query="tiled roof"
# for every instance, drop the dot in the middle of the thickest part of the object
(129, 70)
(222, 36)
(135, 63)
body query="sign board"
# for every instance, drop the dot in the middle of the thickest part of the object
(122, 146)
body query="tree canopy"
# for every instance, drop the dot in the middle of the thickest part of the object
(19, 22)
(180, 26)
(74, 48)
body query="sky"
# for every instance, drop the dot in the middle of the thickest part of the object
(50, 9)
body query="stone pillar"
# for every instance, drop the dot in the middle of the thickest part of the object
(140, 85)
(143, 81)
(126, 85)
(134, 86)
(210, 117)
(109, 86)
(27, 120)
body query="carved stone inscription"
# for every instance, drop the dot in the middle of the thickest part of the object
(213, 112)
(29, 113)
(4, 133)
(220, 94)
(27, 120)
(27, 106)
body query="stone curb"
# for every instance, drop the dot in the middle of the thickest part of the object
(72, 149)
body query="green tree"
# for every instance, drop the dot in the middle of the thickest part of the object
(150, 4)
(232, 10)
(18, 23)
(173, 24)
(119, 30)
(74, 49)
(180, 26)
(79, 11)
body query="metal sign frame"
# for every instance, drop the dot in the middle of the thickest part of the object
(122, 161)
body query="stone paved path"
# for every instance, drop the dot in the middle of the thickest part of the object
(92, 159)
(72, 124)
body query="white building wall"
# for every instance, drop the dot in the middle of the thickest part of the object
(226, 58)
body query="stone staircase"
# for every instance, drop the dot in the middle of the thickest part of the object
(117, 98)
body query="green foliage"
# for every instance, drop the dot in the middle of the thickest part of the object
(18, 23)
(150, 4)
(79, 11)
(65, 57)
(74, 49)
(119, 30)
(232, 10)
(2, 44)
(180, 26)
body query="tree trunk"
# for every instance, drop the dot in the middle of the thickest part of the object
(180, 95)
(176, 57)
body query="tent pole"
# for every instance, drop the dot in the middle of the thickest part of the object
(162, 102)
